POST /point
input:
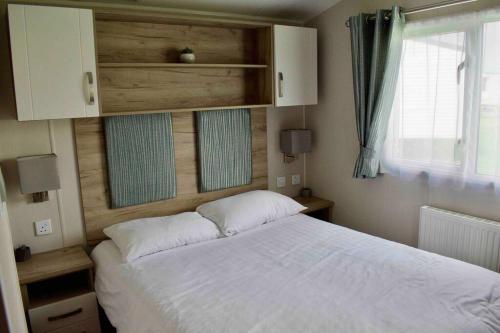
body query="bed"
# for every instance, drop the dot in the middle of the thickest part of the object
(297, 274)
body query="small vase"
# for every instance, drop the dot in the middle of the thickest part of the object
(188, 58)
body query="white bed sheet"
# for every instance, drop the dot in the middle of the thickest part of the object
(296, 275)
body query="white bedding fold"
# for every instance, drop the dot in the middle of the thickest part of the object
(296, 275)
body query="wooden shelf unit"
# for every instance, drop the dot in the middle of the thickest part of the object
(139, 70)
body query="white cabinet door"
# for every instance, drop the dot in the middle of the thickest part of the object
(53, 61)
(296, 65)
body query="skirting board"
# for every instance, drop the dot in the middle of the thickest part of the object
(90, 146)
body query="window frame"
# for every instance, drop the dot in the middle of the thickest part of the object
(471, 101)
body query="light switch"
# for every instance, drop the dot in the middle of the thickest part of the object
(281, 181)
(296, 180)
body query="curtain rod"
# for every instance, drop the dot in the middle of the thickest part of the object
(426, 8)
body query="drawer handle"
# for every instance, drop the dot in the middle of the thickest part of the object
(281, 84)
(66, 315)
(89, 88)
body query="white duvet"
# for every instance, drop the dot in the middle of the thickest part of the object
(296, 275)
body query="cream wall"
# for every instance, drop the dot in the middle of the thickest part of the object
(386, 206)
(10, 293)
(64, 206)
(277, 120)
(31, 138)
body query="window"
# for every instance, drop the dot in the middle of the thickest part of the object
(488, 150)
(446, 112)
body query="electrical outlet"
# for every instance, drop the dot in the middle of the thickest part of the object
(281, 181)
(296, 180)
(43, 227)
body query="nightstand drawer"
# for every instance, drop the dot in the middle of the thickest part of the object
(86, 326)
(67, 312)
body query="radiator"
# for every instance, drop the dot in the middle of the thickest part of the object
(460, 236)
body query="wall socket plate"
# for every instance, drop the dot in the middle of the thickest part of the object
(296, 180)
(43, 227)
(280, 181)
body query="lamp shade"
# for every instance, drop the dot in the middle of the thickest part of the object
(38, 173)
(295, 141)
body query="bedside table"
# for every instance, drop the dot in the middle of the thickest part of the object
(317, 207)
(58, 291)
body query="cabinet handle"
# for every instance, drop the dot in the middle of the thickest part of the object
(89, 88)
(280, 85)
(65, 315)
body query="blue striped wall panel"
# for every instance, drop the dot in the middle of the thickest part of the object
(224, 149)
(140, 156)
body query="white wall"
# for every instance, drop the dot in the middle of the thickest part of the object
(386, 206)
(43, 137)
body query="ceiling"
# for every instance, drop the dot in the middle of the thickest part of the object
(299, 10)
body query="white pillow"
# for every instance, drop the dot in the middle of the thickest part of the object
(247, 210)
(141, 237)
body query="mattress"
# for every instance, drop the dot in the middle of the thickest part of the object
(297, 274)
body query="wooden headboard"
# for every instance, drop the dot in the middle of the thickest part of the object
(90, 145)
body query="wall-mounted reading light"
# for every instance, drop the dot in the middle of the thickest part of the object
(38, 175)
(294, 142)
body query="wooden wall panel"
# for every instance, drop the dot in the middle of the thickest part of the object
(89, 137)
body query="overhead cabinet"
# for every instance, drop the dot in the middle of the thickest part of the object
(295, 66)
(54, 63)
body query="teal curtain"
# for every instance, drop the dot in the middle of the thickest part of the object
(376, 46)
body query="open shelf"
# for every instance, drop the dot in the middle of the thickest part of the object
(134, 89)
(59, 288)
(173, 64)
